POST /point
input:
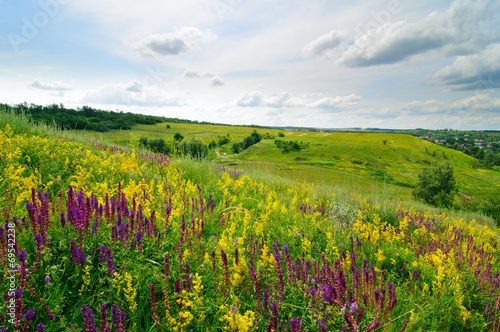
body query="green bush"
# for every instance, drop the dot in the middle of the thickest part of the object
(436, 186)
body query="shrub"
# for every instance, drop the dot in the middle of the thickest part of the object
(436, 186)
(280, 134)
(178, 137)
(236, 147)
(248, 142)
(194, 149)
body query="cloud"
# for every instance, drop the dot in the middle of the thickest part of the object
(337, 102)
(55, 86)
(479, 103)
(285, 99)
(325, 44)
(134, 93)
(452, 32)
(216, 81)
(173, 43)
(194, 73)
(471, 72)
(134, 86)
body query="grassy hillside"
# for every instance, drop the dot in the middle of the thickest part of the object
(365, 162)
(113, 239)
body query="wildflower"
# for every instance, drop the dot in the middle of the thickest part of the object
(88, 319)
(40, 327)
(47, 280)
(21, 255)
(130, 292)
(373, 326)
(86, 280)
(104, 319)
(295, 324)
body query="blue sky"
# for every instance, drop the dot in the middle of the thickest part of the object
(331, 64)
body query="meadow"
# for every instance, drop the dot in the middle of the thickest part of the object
(103, 237)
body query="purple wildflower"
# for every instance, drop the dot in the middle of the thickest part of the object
(47, 280)
(40, 327)
(88, 319)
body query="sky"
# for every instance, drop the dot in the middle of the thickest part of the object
(322, 63)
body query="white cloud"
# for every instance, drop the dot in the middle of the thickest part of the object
(471, 72)
(134, 86)
(451, 32)
(134, 93)
(285, 99)
(478, 103)
(325, 44)
(173, 43)
(194, 73)
(55, 86)
(216, 81)
(337, 102)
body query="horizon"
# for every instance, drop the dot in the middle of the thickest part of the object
(390, 64)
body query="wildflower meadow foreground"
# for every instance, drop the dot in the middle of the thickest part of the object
(95, 238)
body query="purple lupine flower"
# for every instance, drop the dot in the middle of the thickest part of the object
(391, 296)
(81, 257)
(322, 325)
(225, 266)
(104, 319)
(295, 324)
(403, 327)
(373, 326)
(265, 299)
(95, 226)
(416, 275)
(88, 319)
(354, 308)
(40, 327)
(110, 264)
(177, 286)
(138, 237)
(25, 223)
(360, 315)
(115, 314)
(47, 280)
(281, 283)
(29, 314)
(274, 321)
(21, 255)
(39, 242)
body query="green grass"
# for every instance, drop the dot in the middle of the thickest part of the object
(360, 161)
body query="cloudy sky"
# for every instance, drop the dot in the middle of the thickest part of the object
(318, 63)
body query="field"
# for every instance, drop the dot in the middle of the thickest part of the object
(386, 164)
(108, 238)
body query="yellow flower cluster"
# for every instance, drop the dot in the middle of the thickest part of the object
(86, 280)
(237, 322)
(130, 292)
(191, 306)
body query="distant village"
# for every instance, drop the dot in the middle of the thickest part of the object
(464, 140)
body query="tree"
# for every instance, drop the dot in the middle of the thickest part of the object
(178, 137)
(436, 186)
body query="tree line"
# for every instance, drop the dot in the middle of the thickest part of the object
(89, 118)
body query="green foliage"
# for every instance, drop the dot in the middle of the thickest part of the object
(280, 134)
(436, 186)
(194, 149)
(178, 137)
(168, 126)
(248, 142)
(236, 147)
(287, 146)
(157, 145)
(268, 136)
(223, 140)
